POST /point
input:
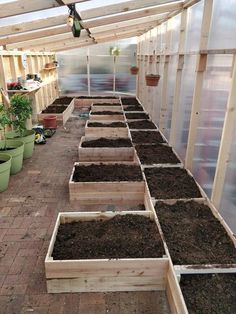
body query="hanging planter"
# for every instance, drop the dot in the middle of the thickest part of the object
(152, 79)
(134, 70)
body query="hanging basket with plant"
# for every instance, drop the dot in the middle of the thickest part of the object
(134, 70)
(152, 79)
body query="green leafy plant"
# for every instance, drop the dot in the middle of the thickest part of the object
(4, 121)
(20, 109)
(114, 51)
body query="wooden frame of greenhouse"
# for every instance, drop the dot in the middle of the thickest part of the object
(128, 205)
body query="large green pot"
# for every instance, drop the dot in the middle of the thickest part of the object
(16, 153)
(4, 171)
(28, 139)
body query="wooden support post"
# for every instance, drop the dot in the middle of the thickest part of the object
(163, 108)
(178, 82)
(201, 66)
(226, 142)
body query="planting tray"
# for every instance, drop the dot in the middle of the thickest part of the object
(106, 117)
(103, 131)
(61, 117)
(98, 275)
(106, 192)
(104, 153)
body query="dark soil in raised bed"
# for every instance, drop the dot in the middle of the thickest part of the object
(194, 235)
(141, 124)
(103, 172)
(96, 97)
(130, 101)
(55, 109)
(209, 293)
(147, 137)
(156, 154)
(123, 236)
(107, 125)
(171, 183)
(106, 142)
(133, 108)
(136, 115)
(109, 113)
(63, 101)
(106, 104)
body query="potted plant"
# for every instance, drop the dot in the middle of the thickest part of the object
(12, 148)
(152, 79)
(134, 70)
(21, 110)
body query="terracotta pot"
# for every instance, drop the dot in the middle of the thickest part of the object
(152, 80)
(134, 70)
(50, 122)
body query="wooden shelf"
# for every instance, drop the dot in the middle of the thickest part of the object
(23, 91)
(48, 69)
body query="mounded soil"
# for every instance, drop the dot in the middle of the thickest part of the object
(209, 293)
(171, 183)
(106, 104)
(103, 172)
(194, 235)
(63, 101)
(107, 125)
(156, 154)
(136, 115)
(147, 137)
(99, 113)
(126, 236)
(106, 142)
(142, 125)
(133, 108)
(55, 109)
(130, 101)
(96, 97)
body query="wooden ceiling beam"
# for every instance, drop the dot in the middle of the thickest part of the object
(165, 8)
(122, 7)
(33, 25)
(55, 30)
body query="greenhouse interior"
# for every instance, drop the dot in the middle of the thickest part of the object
(118, 156)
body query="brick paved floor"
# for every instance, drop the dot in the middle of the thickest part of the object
(28, 210)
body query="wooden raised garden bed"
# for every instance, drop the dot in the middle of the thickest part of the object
(171, 183)
(95, 252)
(133, 108)
(141, 125)
(105, 149)
(61, 111)
(157, 154)
(63, 101)
(107, 115)
(147, 137)
(197, 237)
(130, 101)
(96, 183)
(136, 116)
(86, 101)
(106, 129)
(96, 108)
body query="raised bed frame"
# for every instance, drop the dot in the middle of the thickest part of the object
(107, 117)
(109, 192)
(88, 102)
(106, 132)
(104, 153)
(61, 117)
(99, 275)
(95, 108)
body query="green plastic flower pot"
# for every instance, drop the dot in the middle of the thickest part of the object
(5, 167)
(16, 153)
(27, 138)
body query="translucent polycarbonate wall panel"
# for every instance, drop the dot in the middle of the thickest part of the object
(194, 22)
(228, 202)
(214, 97)
(170, 94)
(223, 25)
(125, 82)
(101, 73)
(72, 72)
(174, 26)
(185, 104)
